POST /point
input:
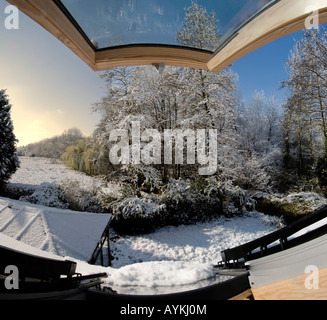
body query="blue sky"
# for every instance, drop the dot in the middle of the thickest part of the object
(51, 89)
(264, 68)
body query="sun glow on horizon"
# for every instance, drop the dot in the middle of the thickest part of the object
(33, 125)
(50, 89)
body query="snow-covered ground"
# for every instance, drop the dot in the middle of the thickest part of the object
(183, 255)
(170, 259)
(35, 171)
(200, 243)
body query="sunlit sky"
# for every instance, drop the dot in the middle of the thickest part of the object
(51, 89)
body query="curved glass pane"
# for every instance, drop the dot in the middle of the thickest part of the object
(122, 22)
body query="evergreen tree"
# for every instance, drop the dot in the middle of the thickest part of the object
(8, 158)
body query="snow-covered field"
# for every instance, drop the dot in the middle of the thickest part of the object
(176, 257)
(35, 171)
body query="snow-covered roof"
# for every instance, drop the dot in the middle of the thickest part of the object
(59, 232)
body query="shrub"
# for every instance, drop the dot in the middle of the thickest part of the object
(49, 195)
(135, 215)
(292, 206)
(191, 202)
(82, 198)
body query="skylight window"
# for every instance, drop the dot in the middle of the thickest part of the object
(108, 23)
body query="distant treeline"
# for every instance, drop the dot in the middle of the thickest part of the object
(52, 148)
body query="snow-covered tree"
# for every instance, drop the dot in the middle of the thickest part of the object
(260, 124)
(8, 157)
(54, 147)
(200, 28)
(305, 120)
(209, 95)
(259, 141)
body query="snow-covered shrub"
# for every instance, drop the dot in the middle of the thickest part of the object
(188, 202)
(302, 202)
(107, 196)
(140, 178)
(135, 215)
(49, 195)
(292, 206)
(251, 174)
(237, 200)
(138, 208)
(82, 198)
(17, 190)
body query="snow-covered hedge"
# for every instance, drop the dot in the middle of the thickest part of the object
(138, 208)
(135, 215)
(181, 202)
(291, 206)
(189, 202)
(49, 195)
(82, 198)
(70, 194)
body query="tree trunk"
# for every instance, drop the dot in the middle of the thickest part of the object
(322, 113)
